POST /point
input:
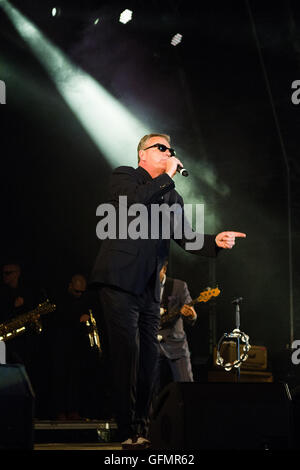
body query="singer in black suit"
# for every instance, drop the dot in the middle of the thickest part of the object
(127, 274)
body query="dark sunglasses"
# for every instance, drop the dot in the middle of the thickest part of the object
(162, 148)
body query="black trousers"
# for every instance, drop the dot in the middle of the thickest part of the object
(132, 324)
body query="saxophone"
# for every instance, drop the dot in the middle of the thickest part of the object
(16, 326)
(93, 332)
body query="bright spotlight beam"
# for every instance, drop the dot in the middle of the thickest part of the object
(110, 125)
(114, 130)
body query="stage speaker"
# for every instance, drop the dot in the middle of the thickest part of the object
(16, 408)
(222, 416)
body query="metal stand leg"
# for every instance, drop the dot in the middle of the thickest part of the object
(237, 326)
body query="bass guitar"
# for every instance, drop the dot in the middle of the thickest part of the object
(204, 296)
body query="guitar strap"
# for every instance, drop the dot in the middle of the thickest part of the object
(167, 292)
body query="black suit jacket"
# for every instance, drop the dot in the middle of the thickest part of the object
(130, 264)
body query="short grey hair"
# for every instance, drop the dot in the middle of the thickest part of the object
(148, 136)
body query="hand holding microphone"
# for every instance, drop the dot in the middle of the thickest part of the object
(174, 165)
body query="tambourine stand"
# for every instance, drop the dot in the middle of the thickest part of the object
(237, 326)
(238, 336)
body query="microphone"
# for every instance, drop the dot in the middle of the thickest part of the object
(237, 301)
(182, 171)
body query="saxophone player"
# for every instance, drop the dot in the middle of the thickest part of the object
(17, 297)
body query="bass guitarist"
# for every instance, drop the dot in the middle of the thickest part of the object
(174, 353)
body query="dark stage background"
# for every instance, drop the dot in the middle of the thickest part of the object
(224, 95)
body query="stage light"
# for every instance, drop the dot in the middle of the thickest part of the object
(125, 16)
(176, 39)
(114, 130)
(55, 11)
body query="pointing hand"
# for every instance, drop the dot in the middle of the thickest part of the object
(227, 239)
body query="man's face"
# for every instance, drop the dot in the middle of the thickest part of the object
(153, 158)
(11, 274)
(77, 287)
